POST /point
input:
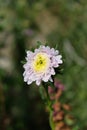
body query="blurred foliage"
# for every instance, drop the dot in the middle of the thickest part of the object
(22, 24)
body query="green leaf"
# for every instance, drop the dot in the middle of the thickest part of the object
(42, 93)
(76, 128)
(56, 47)
(23, 62)
(39, 44)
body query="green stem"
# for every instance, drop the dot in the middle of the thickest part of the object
(49, 103)
(46, 98)
(51, 121)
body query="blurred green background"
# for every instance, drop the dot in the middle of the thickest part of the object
(22, 24)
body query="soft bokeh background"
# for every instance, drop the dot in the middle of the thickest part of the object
(22, 24)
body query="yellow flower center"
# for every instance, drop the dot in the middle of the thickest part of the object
(41, 62)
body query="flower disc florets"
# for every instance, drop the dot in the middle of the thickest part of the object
(40, 64)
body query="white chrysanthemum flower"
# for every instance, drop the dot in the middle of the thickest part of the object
(41, 64)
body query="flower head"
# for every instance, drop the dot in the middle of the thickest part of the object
(41, 64)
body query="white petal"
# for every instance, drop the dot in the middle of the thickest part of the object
(45, 79)
(51, 79)
(52, 71)
(29, 82)
(38, 82)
